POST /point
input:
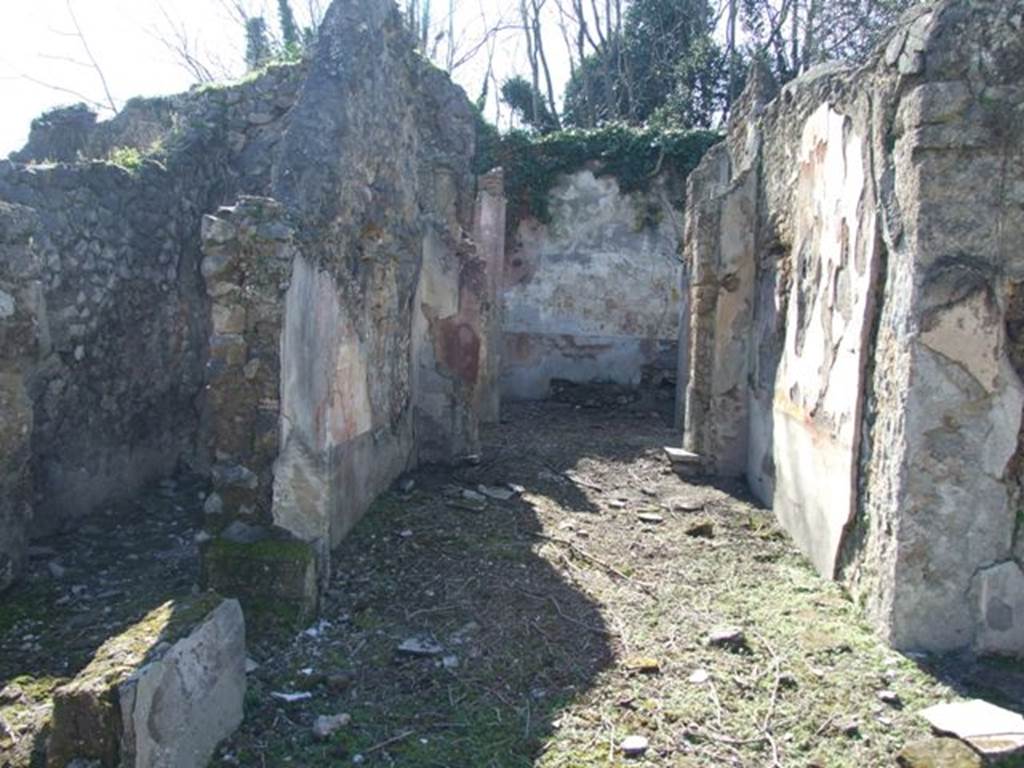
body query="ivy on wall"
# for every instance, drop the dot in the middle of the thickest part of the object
(633, 155)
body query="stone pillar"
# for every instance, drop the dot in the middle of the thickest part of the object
(19, 335)
(456, 324)
(256, 556)
(247, 266)
(720, 230)
(489, 233)
(944, 493)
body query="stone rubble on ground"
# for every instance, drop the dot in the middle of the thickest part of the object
(326, 726)
(699, 676)
(496, 492)
(291, 698)
(652, 518)
(634, 746)
(730, 638)
(420, 646)
(991, 730)
(938, 753)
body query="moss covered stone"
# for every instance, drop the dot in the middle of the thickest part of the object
(86, 720)
(274, 579)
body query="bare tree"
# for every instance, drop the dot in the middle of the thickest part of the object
(92, 59)
(205, 63)
(186, 49)
(797, 34)
(105, 103)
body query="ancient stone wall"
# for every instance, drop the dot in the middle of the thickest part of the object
(596, 293)
(852, 343)
(248, 118)
(353, 311)
(118, 307)
(19, 339)
(119, 310)
(279, 284)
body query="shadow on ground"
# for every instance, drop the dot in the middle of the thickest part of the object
(82, 588)
(512, 639)
(548, 626)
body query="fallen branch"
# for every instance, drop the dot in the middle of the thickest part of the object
(766, 723)
(645, 588)
(389, 742)
(558, 608)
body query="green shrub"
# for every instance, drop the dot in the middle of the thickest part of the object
(632, 155)
(128, 158)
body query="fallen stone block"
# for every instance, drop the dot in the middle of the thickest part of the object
(991, 730)
(938, 753)
(687, 463)
(679, 456)
(163, 694)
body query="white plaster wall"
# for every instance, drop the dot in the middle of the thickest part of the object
(583, 292)
(324, 400)
(817, 404)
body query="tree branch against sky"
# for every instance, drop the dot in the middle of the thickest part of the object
(106, 54)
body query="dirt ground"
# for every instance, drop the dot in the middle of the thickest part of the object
(550, 626)
(82, 588)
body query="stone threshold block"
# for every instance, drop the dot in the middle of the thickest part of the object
(687, 464)
(163, 694)
(271, 572)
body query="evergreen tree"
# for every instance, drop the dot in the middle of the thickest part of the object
(258, 50)
(528, 104)
(289, 29)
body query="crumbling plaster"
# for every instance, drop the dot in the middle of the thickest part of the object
(596, 292)
(864, 369)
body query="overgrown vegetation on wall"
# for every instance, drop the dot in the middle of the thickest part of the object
(633, 155)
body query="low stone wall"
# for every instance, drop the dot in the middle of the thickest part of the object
(596, 293)
(165, 692)
(853, 314)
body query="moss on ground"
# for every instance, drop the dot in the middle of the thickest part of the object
(545, 600)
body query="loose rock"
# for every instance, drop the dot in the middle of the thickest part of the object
(634, 746)
(327, 725)
(938, 753)
(420, 646)
(702, 530)
(496, 492)
(699, 676)
(730, 638)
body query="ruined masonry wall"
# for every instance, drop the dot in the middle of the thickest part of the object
(856, 321)
(354, 310)
(334, 325)
(113, 307)
(596, 293)
(18, 345)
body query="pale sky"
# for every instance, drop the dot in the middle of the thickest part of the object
(35, 48)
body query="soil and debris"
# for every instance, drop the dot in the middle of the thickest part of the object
(82, 588)
(568, 600)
